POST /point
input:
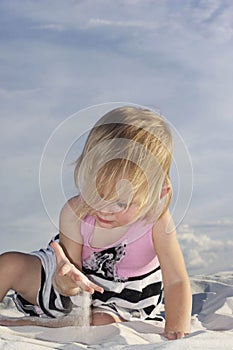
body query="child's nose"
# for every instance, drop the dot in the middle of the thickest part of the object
(110, 209)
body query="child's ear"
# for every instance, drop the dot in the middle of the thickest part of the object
(165, 191)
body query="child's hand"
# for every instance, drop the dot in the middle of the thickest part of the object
(174, 335)
(68, 280)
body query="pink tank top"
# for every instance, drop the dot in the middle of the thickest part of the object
(134, 251)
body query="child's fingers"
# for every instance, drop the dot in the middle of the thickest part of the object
(86, 284)
(64, 269)
(97, 288)
(170, 335)
(180, 335)
(175, 335)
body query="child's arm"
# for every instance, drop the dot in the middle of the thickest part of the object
(68, 278)
(177, 291)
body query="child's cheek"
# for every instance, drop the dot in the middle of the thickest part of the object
(128, 216)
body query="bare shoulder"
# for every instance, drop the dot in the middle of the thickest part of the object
(72, 205)
(70, 210)
(165, 237)
(165, 225)
(69, 222)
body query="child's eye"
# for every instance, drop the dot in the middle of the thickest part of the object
(122, 205)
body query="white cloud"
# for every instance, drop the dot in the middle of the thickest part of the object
(96, 22)
(214, 19)
(207, 248)
(194, 259)
(51, 26)
(11, 94)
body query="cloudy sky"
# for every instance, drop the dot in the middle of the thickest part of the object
(58, 58)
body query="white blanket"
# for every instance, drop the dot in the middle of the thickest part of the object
(212, 326)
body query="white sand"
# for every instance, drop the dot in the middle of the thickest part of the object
(212, 326)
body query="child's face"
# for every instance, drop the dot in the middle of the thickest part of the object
(116, 215)
(122, 204)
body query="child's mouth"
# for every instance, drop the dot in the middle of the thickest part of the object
(103, 220)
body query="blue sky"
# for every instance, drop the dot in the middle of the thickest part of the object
(57, 58)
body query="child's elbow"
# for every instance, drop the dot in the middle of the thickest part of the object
(178, 283)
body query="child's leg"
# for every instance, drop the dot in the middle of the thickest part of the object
(22, 273)
(101, 318)
(39, 321)
(98, 319)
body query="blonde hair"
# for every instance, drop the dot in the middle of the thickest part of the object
(130, 146)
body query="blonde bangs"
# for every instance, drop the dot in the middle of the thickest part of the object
(121, 178)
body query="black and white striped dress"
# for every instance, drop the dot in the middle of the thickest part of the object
(128, 270)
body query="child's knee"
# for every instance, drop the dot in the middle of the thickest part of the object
(17, 268)
(7, 260)
(103, 318)
(12, 261)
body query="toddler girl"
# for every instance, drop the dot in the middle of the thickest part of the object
(117, 240)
